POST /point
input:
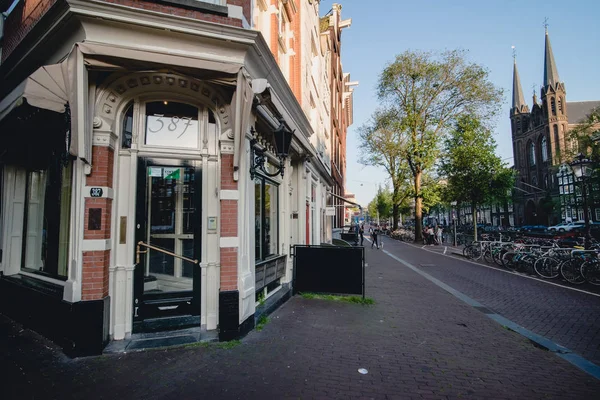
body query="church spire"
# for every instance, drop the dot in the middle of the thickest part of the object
(518, 101)
(550, 72)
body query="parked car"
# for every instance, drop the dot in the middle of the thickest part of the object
(532, 228)
(565, 226)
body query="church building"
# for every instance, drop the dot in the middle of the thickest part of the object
(546, 192)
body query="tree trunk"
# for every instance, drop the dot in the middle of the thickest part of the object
(395, 210)
(418, 209)
(474, 214)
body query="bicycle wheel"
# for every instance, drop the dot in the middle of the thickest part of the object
(547, 267)
(488, 256)
(472, 252)
(510, 260)
(571, 271)
(498, 253)
(590, 270)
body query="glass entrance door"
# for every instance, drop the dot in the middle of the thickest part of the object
(168, 238)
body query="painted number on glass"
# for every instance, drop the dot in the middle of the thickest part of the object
(96, 192)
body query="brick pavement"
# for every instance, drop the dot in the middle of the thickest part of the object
(569, 318)
(417, 342)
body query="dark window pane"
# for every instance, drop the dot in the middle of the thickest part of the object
(127, 129)
(161, 263)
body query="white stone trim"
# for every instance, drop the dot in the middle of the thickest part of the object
(238, 13)
(96, 244)
(229, 194)
(107, 193)
(232, 241)
(43, 278)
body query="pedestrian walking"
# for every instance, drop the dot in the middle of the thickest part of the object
(361, 232)
(374, 237)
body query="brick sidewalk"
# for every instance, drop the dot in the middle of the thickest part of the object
(417, 342)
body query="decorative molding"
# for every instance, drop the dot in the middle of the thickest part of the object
(96, 245)
(226, 146)
(138, 83)
(229, 241)
(105, 139)
(229, 195)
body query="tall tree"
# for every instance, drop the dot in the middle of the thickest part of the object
(475, 174)
(383, 145)
(425, 93)
(381, 205)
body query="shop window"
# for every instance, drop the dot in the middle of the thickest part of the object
(172, 124)
(47, 215)
(127, 128)
(266, 217)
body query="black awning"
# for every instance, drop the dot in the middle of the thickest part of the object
(32, 137)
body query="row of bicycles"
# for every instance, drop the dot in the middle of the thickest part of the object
(545, 258)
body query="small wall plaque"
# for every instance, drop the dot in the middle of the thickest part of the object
(212, 223)
(95, 219)
(96, 192)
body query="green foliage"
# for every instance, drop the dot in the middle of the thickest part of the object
(229, 345)
(587, 137)
(347, 299)
(423, 94)
(261, 298)
(381, 204)
(473, 171)
(262, 321)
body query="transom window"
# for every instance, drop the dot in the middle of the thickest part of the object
(172, 124)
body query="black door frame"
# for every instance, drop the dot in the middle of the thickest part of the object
(145, 306)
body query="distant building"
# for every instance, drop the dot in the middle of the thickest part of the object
(541, 144)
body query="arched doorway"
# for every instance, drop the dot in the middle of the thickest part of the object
(531, 217)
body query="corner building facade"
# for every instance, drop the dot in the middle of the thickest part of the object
(127, 202)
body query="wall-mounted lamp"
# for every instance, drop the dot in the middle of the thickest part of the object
(283, 140)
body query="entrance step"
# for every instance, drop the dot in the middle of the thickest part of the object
(142, 341)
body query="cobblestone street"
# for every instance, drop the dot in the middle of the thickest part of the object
(417, 342)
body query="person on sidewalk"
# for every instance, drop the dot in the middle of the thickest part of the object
(374, 237)
(361, 232)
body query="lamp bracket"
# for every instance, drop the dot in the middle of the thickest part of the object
(259, 158)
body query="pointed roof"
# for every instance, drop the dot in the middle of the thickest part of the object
(518, 100)
(550, 71)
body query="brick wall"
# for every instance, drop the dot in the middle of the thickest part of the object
(229, 228)
(21, 21)
(95, 263)
(228, 268)
(246, 6)
(95, 275)
(29, 12)
(274, 45)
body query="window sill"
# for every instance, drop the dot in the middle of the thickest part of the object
(47, 286)
(197, 5)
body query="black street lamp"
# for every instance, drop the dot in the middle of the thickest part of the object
(282, 139)
(580, 168)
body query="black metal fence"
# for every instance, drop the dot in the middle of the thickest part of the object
(329, 269)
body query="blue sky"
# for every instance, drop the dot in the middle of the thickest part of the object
(487, 29)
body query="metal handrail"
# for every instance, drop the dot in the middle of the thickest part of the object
(138, 251)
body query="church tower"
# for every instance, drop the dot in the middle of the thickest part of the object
(519, 115)
(554, 104)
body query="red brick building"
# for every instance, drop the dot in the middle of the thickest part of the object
(128, 205)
